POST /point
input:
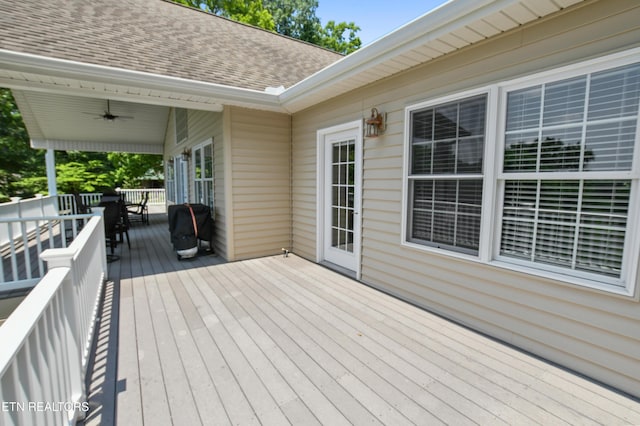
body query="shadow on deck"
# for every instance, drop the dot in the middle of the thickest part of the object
(285, 341)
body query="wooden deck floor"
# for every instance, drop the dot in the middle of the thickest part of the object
(284, 341)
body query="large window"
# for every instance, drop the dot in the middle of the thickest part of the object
(203, 173)
(568, 155)
(553, 174)
(445, 177)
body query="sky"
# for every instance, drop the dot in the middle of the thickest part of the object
(376, 18)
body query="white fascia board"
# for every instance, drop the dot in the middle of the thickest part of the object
(28, 63)
(442, 20)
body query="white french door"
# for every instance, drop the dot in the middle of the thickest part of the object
(340, 195)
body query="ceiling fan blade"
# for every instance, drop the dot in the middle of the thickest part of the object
(108, 116)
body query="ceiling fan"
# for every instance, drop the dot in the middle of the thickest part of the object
(108, 116)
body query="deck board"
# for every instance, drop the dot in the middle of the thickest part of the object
(282, 340)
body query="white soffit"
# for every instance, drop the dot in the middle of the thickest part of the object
(74, 123)
(452, 26)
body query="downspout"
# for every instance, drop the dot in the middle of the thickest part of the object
(291, 182)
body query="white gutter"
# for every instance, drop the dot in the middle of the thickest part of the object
(448, 17)
(29, 63)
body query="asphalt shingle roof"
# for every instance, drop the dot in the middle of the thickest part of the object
(158, 37)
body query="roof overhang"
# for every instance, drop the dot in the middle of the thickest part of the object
(24, 71)
(444, 30)
(57, 99)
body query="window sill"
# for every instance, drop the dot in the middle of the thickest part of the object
(569, 280)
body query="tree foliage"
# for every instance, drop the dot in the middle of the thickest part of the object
(292, 18)
(18, 161)
(76, 176)
(341, 37)
(130, 169)
(249, 12)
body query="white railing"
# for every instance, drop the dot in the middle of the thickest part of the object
(67, 202)
(156, 196)
(23, 239)
(32, 207)
(46, 340)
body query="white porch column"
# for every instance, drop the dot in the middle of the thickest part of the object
(50, 159)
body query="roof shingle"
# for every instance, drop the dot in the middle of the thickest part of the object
(158, 37)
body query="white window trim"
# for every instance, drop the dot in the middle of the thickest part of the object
(320, 193)
(487, 189)
(170, 184)
(194, 179)
(494, 178)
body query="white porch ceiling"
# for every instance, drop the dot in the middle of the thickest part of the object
(67, 122)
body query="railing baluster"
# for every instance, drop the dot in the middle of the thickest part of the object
(14, 260)
(26, 249)
(39, 248)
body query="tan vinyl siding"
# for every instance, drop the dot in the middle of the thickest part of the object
(593, 332)
(203, 126)
(260, 144)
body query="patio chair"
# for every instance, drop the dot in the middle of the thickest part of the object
(116, 224)
(111, 219)
(139, 212)
(81, 208)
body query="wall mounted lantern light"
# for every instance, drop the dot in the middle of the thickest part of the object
(376, 124)
(186, 154)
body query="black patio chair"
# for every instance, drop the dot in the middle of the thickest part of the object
(139, 212)
(81, 208)
(116, 224)
(111, 216)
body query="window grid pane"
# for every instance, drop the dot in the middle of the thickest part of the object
(446, 212)
(577, 225)
(579, 125)
(343, 195)
(447, 139)
(203, 175)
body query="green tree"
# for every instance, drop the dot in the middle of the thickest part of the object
(247, 11)
(334, 37)
(18, 161)
(298, 19)
(292, 18)
(83, 176)
(130, 169)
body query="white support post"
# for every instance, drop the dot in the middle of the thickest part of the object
(50, 160)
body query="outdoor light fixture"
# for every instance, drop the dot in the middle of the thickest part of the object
(375, 125)
(186, 154)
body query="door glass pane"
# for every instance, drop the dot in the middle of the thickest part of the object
(197, 164)
(208, 161)
(342, 190)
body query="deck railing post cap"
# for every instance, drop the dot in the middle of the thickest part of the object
(58, 258)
